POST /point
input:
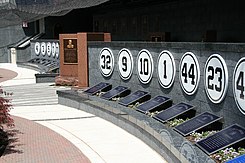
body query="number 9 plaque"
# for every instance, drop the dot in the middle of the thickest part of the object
(125, 64)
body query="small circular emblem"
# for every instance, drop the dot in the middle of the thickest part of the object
(37, 48)
(49, 49)
(57, 51)
(43, 48)
(53, 49)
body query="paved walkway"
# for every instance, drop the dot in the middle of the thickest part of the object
(8, 74)
(96, 139)
(33, 143)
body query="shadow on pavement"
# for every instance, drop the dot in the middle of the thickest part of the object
(12, 142)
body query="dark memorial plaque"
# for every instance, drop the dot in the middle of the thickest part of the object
(98, 88)
(70, 51)
(222, 139)
(173, 112)
(154, 104)
(138, 96)
(118, 91)
(239, 159)
(196, 123)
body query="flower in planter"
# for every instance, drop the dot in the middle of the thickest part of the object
(151, 114)
(241, 151)
(204, 134)
(176, 122)
(115, 99)
(133, 106)
(100, 93)
(228, 154)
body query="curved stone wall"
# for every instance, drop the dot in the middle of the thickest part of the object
(163, 139)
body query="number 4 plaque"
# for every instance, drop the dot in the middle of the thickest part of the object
(238, 85)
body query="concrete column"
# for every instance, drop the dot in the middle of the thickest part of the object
(13, 55)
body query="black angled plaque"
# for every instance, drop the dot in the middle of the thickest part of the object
(222, 139)
(157, 103)
(138, 96)
(173, 111)
(196, 123)
(119, 91)
(98, 88)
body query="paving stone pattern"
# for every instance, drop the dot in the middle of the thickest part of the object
(31, 142)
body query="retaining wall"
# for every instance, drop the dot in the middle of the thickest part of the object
(164, 140)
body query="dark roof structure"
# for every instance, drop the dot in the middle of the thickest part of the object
(13, 12)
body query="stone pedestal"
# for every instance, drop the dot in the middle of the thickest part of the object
(13, 55)
(74, 55)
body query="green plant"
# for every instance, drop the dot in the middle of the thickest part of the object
(176, 122)
(100, 93)
(241, 151)
(5, 107)
(199, 136)
(151, 114)
(115, 99)
(228, 154)
(133, 106)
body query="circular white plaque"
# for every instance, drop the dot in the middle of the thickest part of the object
(49, 49)
(125, 64)
(106, 62)
(145, 66)
(37, 48)
(189, 73)
(239, 84)
(166, 69)
(215, 78)
(57, 51)
(53, 49)
(43, 48)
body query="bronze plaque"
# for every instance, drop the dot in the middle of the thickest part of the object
(70, 51)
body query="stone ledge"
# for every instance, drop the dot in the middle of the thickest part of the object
(45, 78)
(164, 140)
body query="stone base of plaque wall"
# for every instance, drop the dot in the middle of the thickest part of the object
(164, 140)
